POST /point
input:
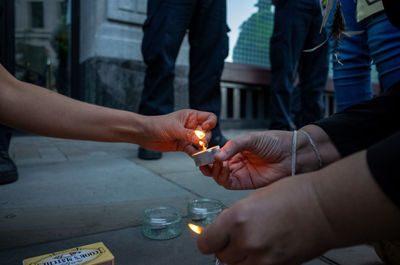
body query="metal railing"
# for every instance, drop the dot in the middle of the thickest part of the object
(243, 106)
(246, 106)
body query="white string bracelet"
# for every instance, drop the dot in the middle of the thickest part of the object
(314, 147)
(294, 152)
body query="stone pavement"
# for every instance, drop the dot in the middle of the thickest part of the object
(72, 193)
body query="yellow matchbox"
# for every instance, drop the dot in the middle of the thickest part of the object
(93, 254)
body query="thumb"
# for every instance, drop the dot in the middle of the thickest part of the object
(235, 146)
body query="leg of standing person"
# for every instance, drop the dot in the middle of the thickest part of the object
(290, 30)
(384, 44)
(313, 71)
(379, 40)
(164, 29)
(8, 170)
(208, 49)
(352, 61)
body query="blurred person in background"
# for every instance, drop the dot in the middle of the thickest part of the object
(8, 169)
(370, 38)
(297, 26)
(164, 30)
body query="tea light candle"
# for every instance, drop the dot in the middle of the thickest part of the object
(205, 157)
(162, 223)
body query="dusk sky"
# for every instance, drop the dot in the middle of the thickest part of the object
(238, 11)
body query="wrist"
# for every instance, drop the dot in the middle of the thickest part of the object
(326, 236)
(131, 127)
(309, 157)
(306, 157)
(303, 192)
(147, 127)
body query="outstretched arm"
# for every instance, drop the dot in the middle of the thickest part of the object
(37, 110)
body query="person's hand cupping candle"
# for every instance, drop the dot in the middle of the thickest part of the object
(252, 161)
(261, 158)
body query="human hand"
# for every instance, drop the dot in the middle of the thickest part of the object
(278, 224)
(252, 161)
(175, 131)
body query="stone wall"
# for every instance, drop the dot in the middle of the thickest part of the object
(112, 68)
(118, 83)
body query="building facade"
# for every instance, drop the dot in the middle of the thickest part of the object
(252, 46)
(110, 54)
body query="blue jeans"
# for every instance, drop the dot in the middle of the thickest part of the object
(379, 42)
(166, 25)
(296, 28)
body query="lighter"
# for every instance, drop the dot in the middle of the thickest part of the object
(198, 229)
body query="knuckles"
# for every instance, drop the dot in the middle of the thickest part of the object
(247, 231)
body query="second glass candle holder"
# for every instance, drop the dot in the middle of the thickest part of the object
(162, 223)
(203, 212)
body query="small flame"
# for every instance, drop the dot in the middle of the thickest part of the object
(203, 145)
(195, 228)
(199, 134)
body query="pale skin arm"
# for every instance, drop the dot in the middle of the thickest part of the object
(260, 158)
(299, 218)
(37, 110)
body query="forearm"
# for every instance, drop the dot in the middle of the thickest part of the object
(307, 159)
(33, 109)
(364, 124)
(354, 205)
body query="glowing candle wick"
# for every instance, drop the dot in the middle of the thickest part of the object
(202, 144)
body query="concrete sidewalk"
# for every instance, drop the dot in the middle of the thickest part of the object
(72, 193)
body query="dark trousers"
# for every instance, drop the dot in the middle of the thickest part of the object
(164, 29)
(5, 137)
(296, 28)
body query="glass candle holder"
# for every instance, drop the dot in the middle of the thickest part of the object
(203, 212)
(162, 223)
